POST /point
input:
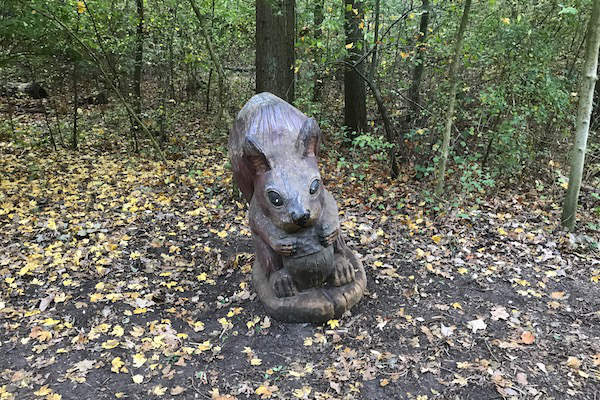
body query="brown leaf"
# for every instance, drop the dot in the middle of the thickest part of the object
(527, 337)
(573, 362)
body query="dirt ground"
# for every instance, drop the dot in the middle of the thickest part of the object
(120, 278)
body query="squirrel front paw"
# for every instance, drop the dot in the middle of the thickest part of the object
(326, 237)
(283, 285)
(343, 272)
(285, 247)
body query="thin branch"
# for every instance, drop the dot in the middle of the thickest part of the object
(95, 58)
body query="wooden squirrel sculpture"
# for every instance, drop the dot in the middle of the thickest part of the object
(303, 270)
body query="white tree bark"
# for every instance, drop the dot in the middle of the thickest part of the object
(588, 82)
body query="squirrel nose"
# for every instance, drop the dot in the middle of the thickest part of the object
(300, 219)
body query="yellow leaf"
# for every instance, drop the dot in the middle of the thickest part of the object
(437, 238)
(204, 346)
(80, 7)
(384, 382)
(502, 231)
(159, 390)
(54, 396)
(117, 331)
(404, 56)
(456, 306)
(462, 270)
(505, 21)
(95, 297)
(137, 379)
(43, 391)
(303, 392)
(137, 331)
(50, 322)
(333, 323)
(117, 364)
(138, 360)
(198, 326)
(110, 344)
(419, 253)
(265, 392)
(308, 341)
(222, 234)
(52, 224)
(350, 45)
(255, 361)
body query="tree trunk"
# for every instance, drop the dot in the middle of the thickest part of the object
(275, 34)
(355, 108)
(375, 39)
(137, 72)
(452, 101)
(223, 117)
(75, 95)
(588, 82)
(317, 78)
(414, 96)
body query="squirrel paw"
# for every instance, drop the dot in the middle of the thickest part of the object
(327, 239)
(285, 247)
(344, 272)
(283, 285)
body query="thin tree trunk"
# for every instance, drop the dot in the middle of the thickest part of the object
(414, 95)
(375, 39)
(355, 108)
(171, 64)
(210, 74)
(390, 135)
(223, 116)
(452, 101)
(137, 72)
(318, 17)
(275, 58)
(588, 82)
(75, 95)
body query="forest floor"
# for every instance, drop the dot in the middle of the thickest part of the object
(120, 278)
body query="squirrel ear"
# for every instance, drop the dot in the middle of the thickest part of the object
(256, 157)
(309, 138)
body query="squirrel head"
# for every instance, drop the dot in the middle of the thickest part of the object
(287, 182)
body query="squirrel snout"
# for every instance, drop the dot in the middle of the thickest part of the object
(300, 219)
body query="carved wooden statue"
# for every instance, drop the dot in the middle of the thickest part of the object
(303, 272)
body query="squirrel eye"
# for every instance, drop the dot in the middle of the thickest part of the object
(275, 198)
(314, 186)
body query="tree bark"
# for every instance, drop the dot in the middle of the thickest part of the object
(355, 108)
(137, 71)
(452, 101)
(375, 39)
(275, 58)
(588, 82)
(414, 95)
(318, 17)
(75, 95)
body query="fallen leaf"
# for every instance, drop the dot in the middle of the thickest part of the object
(527, 337)
(476, 325)
(573, 362)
